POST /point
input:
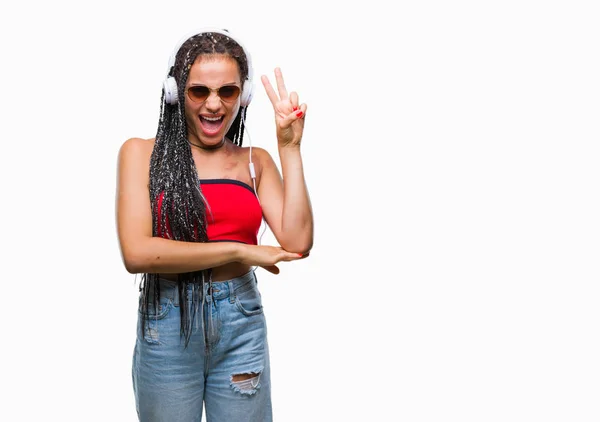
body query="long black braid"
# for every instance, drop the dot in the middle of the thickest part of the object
(173, 174)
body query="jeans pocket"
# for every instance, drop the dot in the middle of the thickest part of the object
(156, 312)
(152, 320)
(249, 301)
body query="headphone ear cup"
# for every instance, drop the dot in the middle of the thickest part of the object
(247, 93)
(170, 89)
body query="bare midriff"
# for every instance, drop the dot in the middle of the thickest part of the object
(221, 273)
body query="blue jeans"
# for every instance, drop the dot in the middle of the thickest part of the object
(172, 382)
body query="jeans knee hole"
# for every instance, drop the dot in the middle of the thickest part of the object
(247, 383)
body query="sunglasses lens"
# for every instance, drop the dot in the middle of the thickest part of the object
(198, 93)
(229, 92)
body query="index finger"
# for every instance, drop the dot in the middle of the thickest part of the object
(270, 91)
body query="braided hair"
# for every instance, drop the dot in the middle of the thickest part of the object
(173, 175)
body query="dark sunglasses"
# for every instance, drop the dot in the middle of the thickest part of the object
(200, 93)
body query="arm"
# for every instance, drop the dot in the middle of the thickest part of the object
(141, 252)
(286, 206)
(285, 203)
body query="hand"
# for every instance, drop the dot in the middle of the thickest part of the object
(267, 256)
(289, 115)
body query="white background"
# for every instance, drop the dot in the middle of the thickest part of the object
(451, 152)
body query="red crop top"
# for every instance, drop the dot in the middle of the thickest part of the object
(233, 214)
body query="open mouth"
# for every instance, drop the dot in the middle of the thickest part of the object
(211, 125)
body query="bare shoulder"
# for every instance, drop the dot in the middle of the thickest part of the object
(134, 161)
(136, 148)
(260, 156)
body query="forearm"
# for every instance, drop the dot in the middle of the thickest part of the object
(297, 217)
(158, 255)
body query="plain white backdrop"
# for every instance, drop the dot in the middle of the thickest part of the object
(451, 151)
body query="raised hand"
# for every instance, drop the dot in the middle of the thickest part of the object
(289, 115)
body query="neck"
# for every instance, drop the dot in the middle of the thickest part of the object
(209, 148)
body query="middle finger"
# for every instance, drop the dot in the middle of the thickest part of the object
(283, 94)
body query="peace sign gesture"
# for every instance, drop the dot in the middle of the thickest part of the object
(289, 115)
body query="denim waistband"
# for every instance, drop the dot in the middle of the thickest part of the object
(216, 289)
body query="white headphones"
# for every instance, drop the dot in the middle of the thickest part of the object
(170, 85)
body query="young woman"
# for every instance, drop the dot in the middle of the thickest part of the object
(189, 206)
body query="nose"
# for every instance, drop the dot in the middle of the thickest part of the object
(213, 102)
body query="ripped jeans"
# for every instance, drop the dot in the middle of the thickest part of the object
(225, 366)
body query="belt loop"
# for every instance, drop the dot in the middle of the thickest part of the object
(176, 295)
(231, 292)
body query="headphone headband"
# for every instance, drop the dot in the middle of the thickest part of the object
(170, 85)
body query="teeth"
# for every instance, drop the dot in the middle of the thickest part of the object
(211, 119)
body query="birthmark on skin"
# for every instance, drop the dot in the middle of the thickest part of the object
(230, 165)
